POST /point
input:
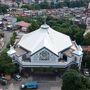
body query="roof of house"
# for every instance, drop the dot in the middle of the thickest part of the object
(20, 51)
(68, 52)
(46, 37)
(11, 51)
(77, 52)
(89, 6)
(86, 48)
(23, 24)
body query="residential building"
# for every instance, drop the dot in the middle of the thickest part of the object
(23, 26)
(46, 47)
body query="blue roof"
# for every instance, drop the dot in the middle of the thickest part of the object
(30, 83)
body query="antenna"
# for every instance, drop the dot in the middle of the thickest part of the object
(45, 17)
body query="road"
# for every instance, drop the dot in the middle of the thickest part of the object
(47, 84)
(7, 36)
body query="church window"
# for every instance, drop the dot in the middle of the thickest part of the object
(44, 55)
(75, 59)
(65, 57)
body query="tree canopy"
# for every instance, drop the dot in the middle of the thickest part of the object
(72, 80)
(12, 39)
(6, 65)
(86, 59)
(3, 8)
(57, 4)
(63, 25)
(87, 39)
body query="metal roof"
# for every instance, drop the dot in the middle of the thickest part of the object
(11, 51)
(45, 36)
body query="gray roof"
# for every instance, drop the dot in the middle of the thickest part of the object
(20, 51)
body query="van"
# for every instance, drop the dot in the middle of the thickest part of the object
(29, 85)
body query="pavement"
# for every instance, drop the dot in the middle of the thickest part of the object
(7, 36)
(48, 84)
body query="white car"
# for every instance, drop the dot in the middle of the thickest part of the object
(17, 77)
(86, 72)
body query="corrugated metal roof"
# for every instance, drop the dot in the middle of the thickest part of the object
(45, 36)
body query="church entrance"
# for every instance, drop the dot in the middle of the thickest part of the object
(26, 72)
(43, 72)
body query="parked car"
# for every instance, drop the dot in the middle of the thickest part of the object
(3, 81)
(86, 72)
(32, 85)
(1, 89)
(17, 77)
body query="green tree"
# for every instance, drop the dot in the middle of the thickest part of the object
(66, 3)
(34, 6)
(72, 80)
(6, 65)
(44, 5)
(26, 6)
(79, 37)
(63, 25)
(87, 39)
(74, 66)
(35, 25)
(86, 59)
(12, 39)
(52, 4)
(3, 8)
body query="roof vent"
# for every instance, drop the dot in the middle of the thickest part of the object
(44, 26)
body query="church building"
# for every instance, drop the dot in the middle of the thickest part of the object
(46, 47)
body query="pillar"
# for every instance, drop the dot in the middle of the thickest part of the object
(20, 69)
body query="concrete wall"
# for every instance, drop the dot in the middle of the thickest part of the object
(52, 57)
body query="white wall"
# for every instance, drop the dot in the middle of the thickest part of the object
(52, 58)
(70, 59)
(79, 60)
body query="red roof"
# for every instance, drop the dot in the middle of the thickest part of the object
(86, 48)
(23, 24)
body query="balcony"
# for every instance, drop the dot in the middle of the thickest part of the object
(61, 64)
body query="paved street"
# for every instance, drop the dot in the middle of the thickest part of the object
(7, 36)
(47, 84)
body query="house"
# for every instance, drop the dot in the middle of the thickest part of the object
(46, 47)
(88, 7)
(1, 25)
(86, 48)
(23, 25)
(10, 20)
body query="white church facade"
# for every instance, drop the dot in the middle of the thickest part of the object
(46, 47)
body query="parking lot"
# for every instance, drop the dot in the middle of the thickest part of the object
(45, 83)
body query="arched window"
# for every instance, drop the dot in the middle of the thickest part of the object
(65, 57)
(75, 59)
(13, 57)
(44, 55)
